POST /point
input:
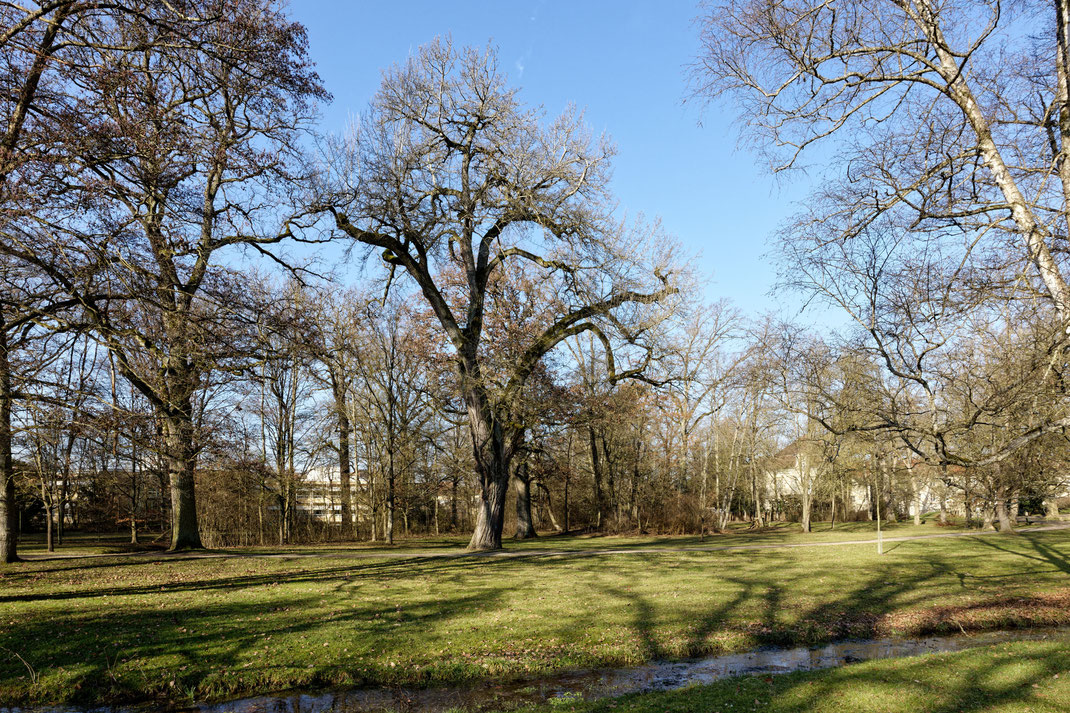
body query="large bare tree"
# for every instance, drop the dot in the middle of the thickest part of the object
(942, 130)
(183, 145)
(454, 181)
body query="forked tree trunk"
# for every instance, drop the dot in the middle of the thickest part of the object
(180, 466)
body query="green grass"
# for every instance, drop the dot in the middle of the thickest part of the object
(1025, 677)
(126, 628)
(737, 534)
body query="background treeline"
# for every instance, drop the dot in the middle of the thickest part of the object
(178, 355)
(734, 421)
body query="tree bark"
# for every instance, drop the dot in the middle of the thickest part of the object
(180, 465)
(50, 544)
(8, 506)
(344, 473)
(1051, 510)
(525, 526)
(1006, 524)
(596, 471)
(493, 449)
(549, 507)
(490, 517)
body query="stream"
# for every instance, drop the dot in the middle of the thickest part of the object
(593, 683)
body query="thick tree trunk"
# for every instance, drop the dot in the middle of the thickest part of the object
(1051, 510)
(525, 526)
(1006, 523)
(492, 452)
(490, 518)
(181, 461)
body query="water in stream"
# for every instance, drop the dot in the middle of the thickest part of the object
(600, 683)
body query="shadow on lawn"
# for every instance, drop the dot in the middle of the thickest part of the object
(345, 574)
(976, 683)
(178, 641)
(765, 610)
(760, 599)
(1045, 554)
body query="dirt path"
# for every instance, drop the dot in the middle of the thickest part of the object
(508, 554)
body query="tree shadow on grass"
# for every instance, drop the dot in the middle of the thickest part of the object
(134, 653)
(1044, 552)
(345, 573)
(983, 680)
(771, 597)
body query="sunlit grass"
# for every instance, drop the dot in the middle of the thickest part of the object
(153, 625)
(1025, 677)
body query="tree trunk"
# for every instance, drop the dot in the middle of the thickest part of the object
(550, 507)
(50, 543)
(180, 466)
(390, 506)
(344, 483)
(490, 518)
(596, 471)
(1006, 524)
(8, 506)
(492, 451)
(525, 526)
(1051, 510)
(567, 523)
(62, 514)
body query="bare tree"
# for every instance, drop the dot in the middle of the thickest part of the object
(949, 125)
(181, 149)
(455, 182)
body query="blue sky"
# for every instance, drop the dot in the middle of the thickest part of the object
(625, 63)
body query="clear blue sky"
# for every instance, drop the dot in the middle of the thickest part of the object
(625, 63)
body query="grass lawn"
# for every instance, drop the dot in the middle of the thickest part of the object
(1027, 677)
(126, 628)
(737, 534)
